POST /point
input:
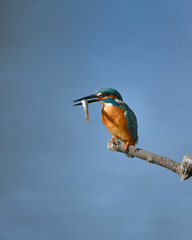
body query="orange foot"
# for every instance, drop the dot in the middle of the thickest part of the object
(112, 139)
(126, 146)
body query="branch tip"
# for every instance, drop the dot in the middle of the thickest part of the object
(186, 167)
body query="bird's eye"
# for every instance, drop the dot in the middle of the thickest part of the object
(106, 94)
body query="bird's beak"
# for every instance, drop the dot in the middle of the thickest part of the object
(93, 97)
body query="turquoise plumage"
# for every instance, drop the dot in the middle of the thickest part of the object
(131, 121)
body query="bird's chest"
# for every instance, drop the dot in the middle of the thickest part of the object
(113, 117)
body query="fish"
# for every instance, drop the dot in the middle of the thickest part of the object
(85, 107)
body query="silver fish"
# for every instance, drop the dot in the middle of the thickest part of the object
(85, 107)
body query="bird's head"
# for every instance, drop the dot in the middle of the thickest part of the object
(101, 95)
(109, 93)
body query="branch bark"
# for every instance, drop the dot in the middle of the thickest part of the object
(183, 169)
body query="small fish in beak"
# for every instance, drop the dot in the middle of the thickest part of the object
(85, 107)
(84, 101)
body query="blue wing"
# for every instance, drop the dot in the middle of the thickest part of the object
(131, 121)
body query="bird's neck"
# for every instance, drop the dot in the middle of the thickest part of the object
(119, 101)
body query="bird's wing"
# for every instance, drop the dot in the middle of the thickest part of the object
(131, 121)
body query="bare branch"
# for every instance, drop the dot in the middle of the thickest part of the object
(183, 169)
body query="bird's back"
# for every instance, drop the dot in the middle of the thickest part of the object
(131, 121)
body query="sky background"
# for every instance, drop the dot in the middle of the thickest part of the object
(58, 180)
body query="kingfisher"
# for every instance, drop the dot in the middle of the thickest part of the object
(116, 115)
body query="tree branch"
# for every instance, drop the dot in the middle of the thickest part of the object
(183, 169)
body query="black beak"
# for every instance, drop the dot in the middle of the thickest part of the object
(93, 97)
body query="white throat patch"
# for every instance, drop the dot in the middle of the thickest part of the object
(106, 104)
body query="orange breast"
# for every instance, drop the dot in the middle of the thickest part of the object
(114, 119)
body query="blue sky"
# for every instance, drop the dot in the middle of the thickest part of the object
(58, 180)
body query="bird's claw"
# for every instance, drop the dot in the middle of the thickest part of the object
(126, 146)
(112, 140)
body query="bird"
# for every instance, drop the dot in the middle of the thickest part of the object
(116, 115)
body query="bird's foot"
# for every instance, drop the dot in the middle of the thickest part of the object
(125, 149)
(112, 139)
(126, 146)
